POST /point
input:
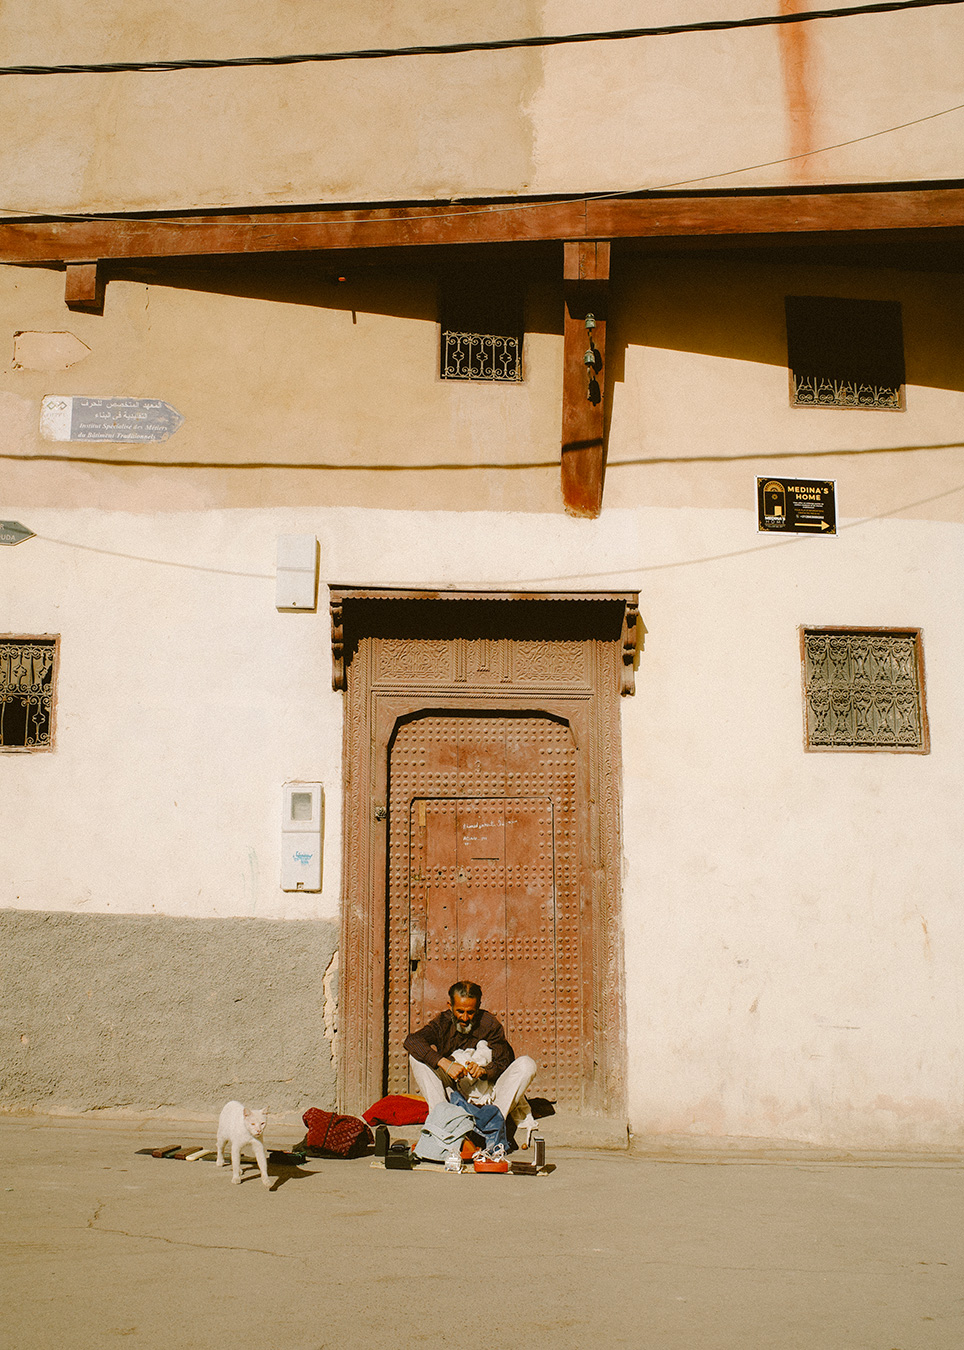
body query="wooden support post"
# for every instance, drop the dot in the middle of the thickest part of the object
(586, 276)
(84, 288)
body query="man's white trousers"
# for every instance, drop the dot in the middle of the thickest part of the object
(510, 1088)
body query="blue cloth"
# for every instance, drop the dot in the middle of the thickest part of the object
(489, 1121)
(446, 1126)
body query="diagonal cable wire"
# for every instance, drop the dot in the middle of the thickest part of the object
(203, 218)
(796, 540)
(620, 572)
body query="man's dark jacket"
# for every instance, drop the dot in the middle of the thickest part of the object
(437, 1041)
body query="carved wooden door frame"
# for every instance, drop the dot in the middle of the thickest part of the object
(596, 634)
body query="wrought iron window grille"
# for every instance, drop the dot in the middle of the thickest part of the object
(27, 679)
(845, 353)
(481, 356)
(481, 325)
(864, 690)
(814, 392)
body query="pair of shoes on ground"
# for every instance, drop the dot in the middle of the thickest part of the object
(471, 1152)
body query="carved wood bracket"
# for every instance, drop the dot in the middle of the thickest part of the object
(84, 287)
(586, 278)
(608, 614)
(336, 607)
(630, 640)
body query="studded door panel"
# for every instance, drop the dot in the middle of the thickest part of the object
(483, 885)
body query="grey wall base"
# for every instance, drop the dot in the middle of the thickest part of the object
(164, 1014)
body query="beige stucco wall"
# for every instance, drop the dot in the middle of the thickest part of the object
(287, 368)
(719, 109)
(337, 385)
(791, 920)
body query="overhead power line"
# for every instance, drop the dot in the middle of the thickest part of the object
(505, 44)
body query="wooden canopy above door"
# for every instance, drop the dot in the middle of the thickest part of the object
(368, 611)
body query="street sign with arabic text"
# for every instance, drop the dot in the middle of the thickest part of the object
(134, 420)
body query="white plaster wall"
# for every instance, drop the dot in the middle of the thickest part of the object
(184, 702)
(792, 921)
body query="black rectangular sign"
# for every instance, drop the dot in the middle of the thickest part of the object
(797, 505)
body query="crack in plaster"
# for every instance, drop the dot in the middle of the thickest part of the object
(329, 985)
(200, 1246)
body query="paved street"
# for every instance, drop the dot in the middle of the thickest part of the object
(105, 1249)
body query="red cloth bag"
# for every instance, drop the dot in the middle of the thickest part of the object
(336, 1136)
(398, 1108)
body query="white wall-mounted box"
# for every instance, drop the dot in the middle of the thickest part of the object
(302, 834)
(296, 584)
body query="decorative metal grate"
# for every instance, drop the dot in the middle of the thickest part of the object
(845, 352)
(26, 692)
(481, 356)
(864, 690)
(813, 392)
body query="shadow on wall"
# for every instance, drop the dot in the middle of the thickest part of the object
(383, 281)
(711, 305)
(735, 309)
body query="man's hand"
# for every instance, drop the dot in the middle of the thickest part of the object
(455, 1070)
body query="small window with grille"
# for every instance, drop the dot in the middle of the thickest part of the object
(864, 689)
(845, 353)
(482, 327)
(28, 668)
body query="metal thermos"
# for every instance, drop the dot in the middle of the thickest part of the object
(539, 1147)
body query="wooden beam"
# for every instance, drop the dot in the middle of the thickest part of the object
(84, 287)
(586, 282)
(433, 223)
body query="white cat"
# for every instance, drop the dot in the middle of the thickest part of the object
(242, 1127)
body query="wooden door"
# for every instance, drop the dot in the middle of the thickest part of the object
(484, 885)
(482, 908)
(511, 690)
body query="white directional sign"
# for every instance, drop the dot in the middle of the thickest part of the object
(12, 532)
(107, 419)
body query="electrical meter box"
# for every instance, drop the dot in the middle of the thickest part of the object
(302, 831)
(297, 572)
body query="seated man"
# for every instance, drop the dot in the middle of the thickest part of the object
(461, 1026)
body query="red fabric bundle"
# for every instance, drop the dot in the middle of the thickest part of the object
(398, 1109)
(336, 1136)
